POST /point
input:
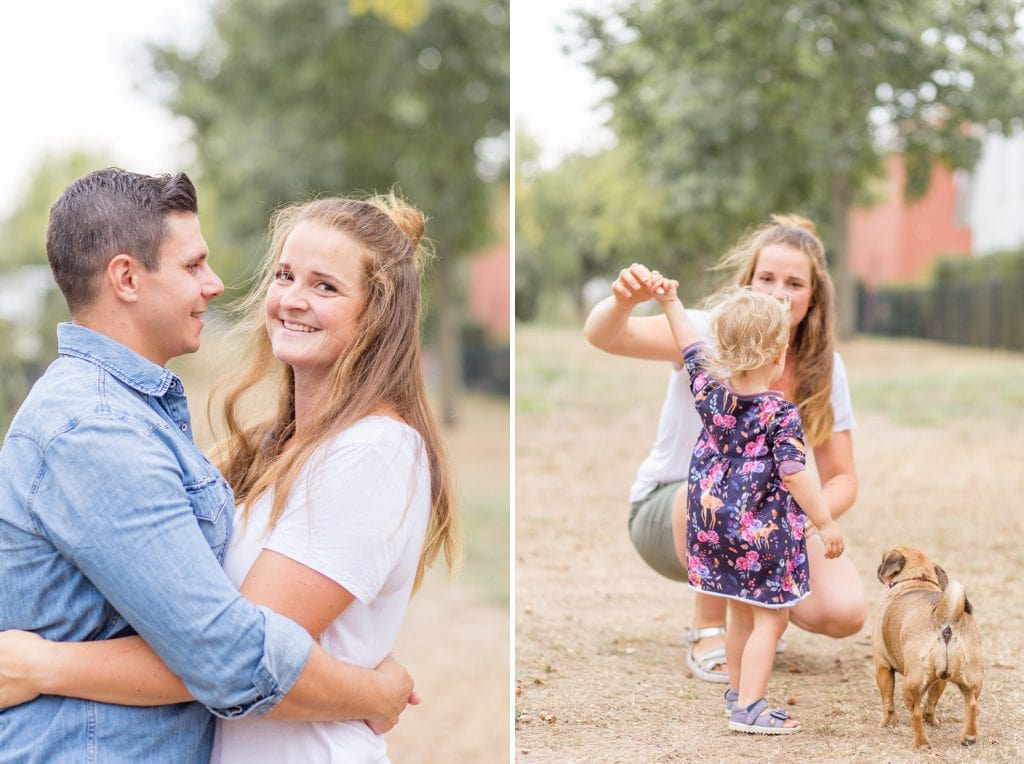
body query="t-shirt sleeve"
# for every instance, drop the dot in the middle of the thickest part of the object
(842, 405)
(788, 450)
(345, 517)
(694, 361)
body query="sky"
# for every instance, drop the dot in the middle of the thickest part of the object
(75, 75)
(555, 97)
(69, 76)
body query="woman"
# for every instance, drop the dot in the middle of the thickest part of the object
(784, 259)
(345, 494)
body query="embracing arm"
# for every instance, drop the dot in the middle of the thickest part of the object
(127, 671)
(611, 327)
(162, 576)
(834, 459)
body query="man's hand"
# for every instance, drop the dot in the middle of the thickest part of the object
(17, 684)
(397, 690)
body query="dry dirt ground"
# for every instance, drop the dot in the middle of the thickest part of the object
(600, 675)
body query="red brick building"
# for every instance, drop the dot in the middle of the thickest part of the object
(896, 242)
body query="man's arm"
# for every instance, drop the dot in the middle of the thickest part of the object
(126, 522)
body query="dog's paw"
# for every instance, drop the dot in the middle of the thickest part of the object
(888, 719)
(931, 720)
(969, 740)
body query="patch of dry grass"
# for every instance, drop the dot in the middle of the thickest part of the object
(600, 674)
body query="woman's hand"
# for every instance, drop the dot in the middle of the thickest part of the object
(19, 651)
(631, 287)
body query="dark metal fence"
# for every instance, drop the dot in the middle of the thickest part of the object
(977, 301)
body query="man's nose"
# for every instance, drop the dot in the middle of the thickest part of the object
(213, 286)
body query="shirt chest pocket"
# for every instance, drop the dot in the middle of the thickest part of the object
(211, 499)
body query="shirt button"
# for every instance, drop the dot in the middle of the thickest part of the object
(184, 427)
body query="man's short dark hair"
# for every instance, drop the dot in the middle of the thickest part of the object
(106, 213)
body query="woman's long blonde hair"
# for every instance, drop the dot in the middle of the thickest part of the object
(381, 367)
(813, 341)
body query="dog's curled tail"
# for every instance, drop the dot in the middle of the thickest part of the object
(950, 608)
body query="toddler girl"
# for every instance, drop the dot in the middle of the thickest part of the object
(748, 488)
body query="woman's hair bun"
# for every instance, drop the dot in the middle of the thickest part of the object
(409, 219)
(795, 221)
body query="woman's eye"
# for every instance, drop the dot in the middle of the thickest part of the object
(282, 276)
(193, 268)
(325, 287)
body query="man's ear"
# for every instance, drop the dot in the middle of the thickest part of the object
(122, 275)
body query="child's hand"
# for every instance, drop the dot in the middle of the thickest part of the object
(663, 289)
(832, 538)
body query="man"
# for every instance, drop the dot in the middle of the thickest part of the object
(112, 522)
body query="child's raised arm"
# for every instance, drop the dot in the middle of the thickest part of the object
(683, 330)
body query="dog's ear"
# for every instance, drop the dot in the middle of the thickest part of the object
(892, 564)
(943, 578)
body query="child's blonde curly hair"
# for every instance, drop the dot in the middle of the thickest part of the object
(750, 329)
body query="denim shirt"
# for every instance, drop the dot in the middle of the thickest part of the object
(112, 523)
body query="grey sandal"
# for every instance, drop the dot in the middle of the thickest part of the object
(731, 696)
(761, 720)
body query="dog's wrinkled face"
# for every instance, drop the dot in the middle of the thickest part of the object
(904, 563)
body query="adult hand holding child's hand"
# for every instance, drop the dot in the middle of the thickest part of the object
(632, 286)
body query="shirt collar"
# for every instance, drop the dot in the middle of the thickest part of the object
(116, 359)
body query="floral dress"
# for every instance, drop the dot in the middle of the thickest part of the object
(744, 531)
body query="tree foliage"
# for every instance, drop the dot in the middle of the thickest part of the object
(739, 108)
(316, 96)
(291, 98)
(24, 230)
(587, 218)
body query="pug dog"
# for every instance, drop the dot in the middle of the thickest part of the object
(927, 633)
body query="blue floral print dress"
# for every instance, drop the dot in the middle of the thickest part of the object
(744, 531)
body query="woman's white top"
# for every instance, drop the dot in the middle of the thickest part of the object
(679, 425)
(357, 514)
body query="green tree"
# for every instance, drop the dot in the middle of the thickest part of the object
(589, 217)
(290, 98)
(745, 108)
(24, 230)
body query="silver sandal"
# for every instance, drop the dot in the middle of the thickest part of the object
(704, 667)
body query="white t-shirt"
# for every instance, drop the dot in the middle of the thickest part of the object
(358, 514)
(679, 425)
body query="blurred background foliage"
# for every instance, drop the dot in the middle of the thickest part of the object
(293, 98)
(728, 110)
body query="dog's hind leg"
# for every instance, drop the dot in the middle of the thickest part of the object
(886, 680)
(970, 735)
(931, 700)
(913, 696)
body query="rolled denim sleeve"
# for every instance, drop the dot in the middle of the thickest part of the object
(124, 518)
